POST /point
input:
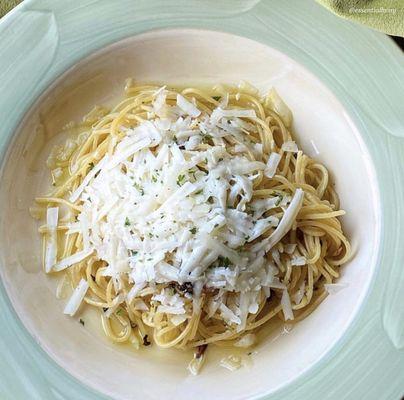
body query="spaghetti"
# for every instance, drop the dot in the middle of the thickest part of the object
(190, 217)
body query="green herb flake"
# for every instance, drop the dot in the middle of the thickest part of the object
(127, 222)
(193, 230)
(91, 165)
(139, 188)
(224, 262)
(217, 98)
(180, 180)
(133, 252)
(153, 178)
(192, 171)
(279, 201)
(200, 191)
(206, 137)
(81, 322)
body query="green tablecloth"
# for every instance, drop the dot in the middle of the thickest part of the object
(383, 15)
(7, 5)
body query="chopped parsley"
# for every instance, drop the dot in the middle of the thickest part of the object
(133, 252)
(192, 172)
(193, 230)
(224, 262)
(127, 222)
(217, 98)
(180, 180)
(91, 164)
(81, 322)
(153, 178)
(139, 188)
(199, 192)
(206, 137)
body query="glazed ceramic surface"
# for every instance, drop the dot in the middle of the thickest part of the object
(342, 117)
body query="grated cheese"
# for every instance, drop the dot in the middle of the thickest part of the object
(76, 298)
(286, 306)
(333, 288)
(162, 208)
(73, 259)
(290, 146)
(51, 243)
(272, 164)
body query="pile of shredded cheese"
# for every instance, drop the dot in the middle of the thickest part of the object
(161, 211)
(192, 218)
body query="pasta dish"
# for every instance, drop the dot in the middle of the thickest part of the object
(190, 217)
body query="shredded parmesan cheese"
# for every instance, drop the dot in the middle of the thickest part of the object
(272, 164)
(51, 244)
(76, 298)
(160, 211)
(333, 288)
(290, 146)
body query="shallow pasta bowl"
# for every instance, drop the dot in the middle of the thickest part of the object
(333, 130)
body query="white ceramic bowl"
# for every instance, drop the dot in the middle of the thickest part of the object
(184, 56)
